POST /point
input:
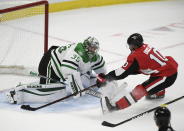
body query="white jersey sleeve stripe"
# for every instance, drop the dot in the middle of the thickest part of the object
(101, 60)
(70, 63)
(68, 66)
(99, 64)
(57, 67)
(56, 57)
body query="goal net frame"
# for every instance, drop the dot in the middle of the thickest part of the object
(21, 70)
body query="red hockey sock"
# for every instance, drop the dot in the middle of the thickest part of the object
(123, 103)
(137, 93)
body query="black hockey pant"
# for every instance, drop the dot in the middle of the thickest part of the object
(156, 84)
(45, 68)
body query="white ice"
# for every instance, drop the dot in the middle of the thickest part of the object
(162, 26)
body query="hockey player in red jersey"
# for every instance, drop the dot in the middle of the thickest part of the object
(143, 59)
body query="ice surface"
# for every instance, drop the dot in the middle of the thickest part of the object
(162, 25)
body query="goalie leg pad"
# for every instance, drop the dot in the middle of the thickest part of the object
(35, 93)
(41, 95)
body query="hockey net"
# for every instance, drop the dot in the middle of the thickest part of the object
(23, 36)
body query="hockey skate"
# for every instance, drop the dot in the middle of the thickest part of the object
(158, 95)
(107, 106)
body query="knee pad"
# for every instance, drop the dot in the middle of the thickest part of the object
(138, 92)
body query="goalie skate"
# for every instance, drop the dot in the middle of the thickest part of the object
(12, 97)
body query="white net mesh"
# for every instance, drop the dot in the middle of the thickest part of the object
(22, 39)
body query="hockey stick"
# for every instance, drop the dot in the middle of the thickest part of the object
(28, 107)
(94, 93)
(36, 74)
(105, 123)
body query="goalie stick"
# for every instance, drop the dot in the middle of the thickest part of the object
(94, 93)
(108, 124)
(36, 74)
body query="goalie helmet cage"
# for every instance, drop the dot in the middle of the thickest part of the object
(24, 36)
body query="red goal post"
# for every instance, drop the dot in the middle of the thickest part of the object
(23, 36)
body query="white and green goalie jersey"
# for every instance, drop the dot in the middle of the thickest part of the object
(66, 60)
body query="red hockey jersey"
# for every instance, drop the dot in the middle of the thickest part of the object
(151, 62)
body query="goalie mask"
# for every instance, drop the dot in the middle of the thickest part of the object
(91, 46)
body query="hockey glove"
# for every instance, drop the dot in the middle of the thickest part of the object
(101, 80)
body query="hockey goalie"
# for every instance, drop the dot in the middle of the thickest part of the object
(75, 66)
